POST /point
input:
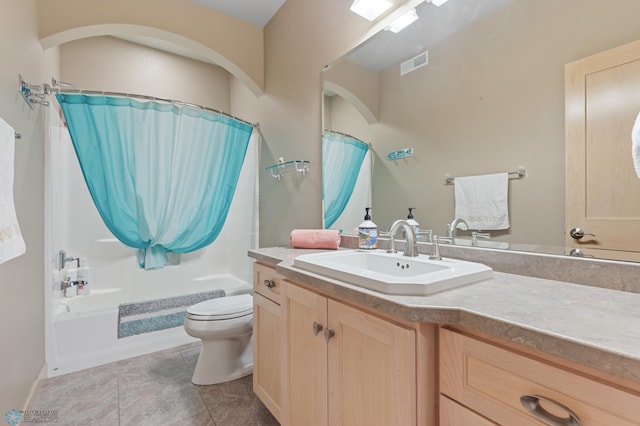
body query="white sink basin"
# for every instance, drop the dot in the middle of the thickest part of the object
(393, 273)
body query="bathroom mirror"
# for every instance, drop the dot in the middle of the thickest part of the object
(346, 180)
(481, 91)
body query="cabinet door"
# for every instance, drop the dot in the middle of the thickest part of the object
(372, 370)
(306, 358)
(267, 353)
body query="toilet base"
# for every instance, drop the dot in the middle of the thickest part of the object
(223, 360)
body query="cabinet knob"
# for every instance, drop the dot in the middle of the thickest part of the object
(317, 328)
(269, 283)
(328, 334)
(532, 404)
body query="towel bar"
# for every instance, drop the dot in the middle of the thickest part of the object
(520, 173)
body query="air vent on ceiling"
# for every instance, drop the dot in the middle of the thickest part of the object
(414, 63)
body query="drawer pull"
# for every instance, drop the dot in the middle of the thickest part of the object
(269, 283)
(317, 328)
(532, 404)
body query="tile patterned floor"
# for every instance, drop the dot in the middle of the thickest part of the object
(153, 389)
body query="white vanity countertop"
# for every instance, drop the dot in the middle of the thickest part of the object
(593, 326)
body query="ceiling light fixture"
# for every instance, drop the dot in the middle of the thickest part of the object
(403, 21)
(370, 9)
(438, 2)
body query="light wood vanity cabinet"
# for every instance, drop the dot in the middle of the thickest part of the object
(267, 338)
(346, 366)
(319, 362)
(482, 383)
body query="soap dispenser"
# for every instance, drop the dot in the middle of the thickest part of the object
(368, 233)
(411, 221)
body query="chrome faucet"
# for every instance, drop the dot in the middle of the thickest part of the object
(453, 226)
(411, 248)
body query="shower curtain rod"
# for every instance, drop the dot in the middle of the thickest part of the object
(34, 94)
(150, 98)
(348, 135)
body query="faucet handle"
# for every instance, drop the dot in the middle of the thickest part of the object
(427, 232)
(435, 254)
(391, 248)
(475, 235)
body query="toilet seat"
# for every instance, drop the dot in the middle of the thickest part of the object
(222, 308)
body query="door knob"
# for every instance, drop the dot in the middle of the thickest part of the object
(578, 233)
(576, 252)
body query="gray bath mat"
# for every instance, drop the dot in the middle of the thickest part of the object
(152, 315)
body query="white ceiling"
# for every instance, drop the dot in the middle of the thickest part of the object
(258, 12)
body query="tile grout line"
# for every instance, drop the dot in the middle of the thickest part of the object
(199, 393)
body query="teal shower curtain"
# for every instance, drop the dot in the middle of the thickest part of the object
(161, 175)
(342, 158)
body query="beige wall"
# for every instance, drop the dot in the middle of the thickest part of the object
(21, 279)
(177, 23)
(356, 84)
(110, 64)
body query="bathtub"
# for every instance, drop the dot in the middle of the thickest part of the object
(85, 328)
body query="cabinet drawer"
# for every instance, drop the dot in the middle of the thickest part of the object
(267, 282)
(454, 414)
(491, 380)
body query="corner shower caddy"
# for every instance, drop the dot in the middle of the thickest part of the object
(277, 170)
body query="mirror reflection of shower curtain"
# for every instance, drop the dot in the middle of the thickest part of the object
(346, 181)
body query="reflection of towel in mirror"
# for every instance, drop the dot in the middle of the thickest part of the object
(482, 201)
(11, 242)
(635, 145)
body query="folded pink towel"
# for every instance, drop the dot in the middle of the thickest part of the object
(315, 238)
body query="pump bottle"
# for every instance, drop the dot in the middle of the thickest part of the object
(411, 221)
(368, 233)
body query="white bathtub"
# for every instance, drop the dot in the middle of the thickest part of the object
(85, 328)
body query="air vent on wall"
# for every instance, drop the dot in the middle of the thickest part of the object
(414, 63)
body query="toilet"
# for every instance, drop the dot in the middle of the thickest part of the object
(225, 325)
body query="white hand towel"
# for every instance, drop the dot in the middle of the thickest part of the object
(482, 201)
(635, 145)
(11, 242)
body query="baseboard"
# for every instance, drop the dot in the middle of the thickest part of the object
(35, 387)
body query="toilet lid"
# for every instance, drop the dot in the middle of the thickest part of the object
(222, 308)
